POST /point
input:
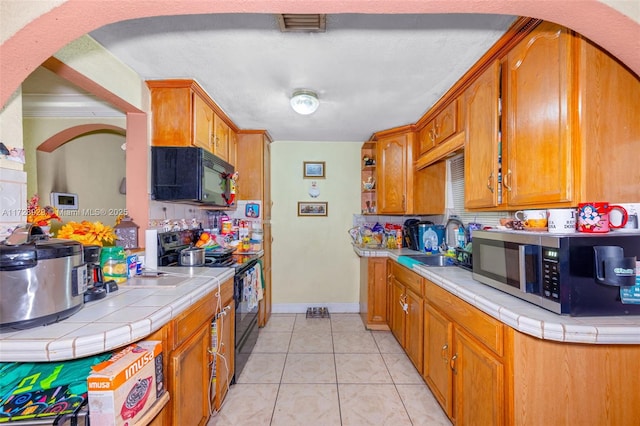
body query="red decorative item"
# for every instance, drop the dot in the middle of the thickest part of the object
(136, 398)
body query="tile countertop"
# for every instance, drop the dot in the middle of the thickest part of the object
(519, 314)
(125, 316)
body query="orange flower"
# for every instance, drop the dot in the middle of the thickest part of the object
(87, 233)
(40, 216)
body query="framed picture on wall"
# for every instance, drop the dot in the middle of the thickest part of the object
(319, 208)
(313, 169)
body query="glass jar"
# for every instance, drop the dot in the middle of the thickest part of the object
(113, 261)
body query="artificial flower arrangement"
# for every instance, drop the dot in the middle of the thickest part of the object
(40, 216)
(88, 233)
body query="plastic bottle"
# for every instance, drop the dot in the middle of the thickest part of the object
(460, 238)
(113, 261)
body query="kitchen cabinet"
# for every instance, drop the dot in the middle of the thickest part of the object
(407, 312)
(183, 114)
(187, 360)
(464, 362)
(224, 356)
(482, 158)
(539, 160)
(254, 169)
(394, 154)
(429, 185)
(368, 197)
(233, 147)
(440, 128)
(373, 292)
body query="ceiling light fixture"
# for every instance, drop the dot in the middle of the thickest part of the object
(304, 101)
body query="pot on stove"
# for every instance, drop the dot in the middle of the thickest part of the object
(191, 256)
(42, 280)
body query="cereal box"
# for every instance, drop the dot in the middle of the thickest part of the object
(123, 388)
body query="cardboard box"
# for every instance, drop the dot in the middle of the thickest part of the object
(123, 388)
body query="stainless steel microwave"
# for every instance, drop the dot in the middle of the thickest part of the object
(574, 274)
(190, 175)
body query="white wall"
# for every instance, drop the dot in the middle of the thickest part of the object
(313, 263)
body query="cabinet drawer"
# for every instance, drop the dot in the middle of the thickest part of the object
(408, 278)
(189, 321)
(486, 329)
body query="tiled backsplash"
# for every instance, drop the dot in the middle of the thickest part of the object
(13, 200)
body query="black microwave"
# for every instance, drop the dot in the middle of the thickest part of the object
(190, 175)
(575, 274)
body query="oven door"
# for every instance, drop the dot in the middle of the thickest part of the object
(246, 327)
(513, 267)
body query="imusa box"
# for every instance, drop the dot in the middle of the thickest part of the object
(124, 387)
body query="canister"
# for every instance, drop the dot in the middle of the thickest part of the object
(113, 261)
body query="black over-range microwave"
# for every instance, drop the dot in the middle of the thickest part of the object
(575, 274)
(190, 175)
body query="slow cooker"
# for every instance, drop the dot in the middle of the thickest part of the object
(42, 280)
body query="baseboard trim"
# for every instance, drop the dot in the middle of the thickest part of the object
(301, 308)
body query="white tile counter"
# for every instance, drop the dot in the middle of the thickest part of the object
(140, 307)
(519, 314)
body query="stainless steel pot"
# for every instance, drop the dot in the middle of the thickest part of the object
(42, 280)
(192, 256)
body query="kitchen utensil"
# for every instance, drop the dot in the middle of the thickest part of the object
(192, 256)
(594, 217)
(562, 221)
(42, 280)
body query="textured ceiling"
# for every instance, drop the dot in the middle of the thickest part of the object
(371, 72)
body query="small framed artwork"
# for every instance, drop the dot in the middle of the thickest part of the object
(319, 208)
(314, 169)
(252, 210)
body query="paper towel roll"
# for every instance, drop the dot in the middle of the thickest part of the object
(151, 249)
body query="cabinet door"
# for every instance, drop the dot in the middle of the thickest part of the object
(539, 162)
(224, 358)
(190, 379)
(233, 147)
(220, 138)
(392, 174)
(414, 329)
(202, 123)
(481, 141)
(397, 320)
(446, 123)
(478, 383)
(264, 306)
(429, 188)
(377, 290)
(438, 336)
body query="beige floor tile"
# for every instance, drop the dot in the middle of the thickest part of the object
(361, 368)
(309, 368)
(347, 323)
(371, 405)
(402, 369)
(279, 323)
(247, 405)
(387, 343)
(276, 342)
(263, 368)
(421, 405)
(311, 342)
(302, 404)
(312, 324)
(354, 342)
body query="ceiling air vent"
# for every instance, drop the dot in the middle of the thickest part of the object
(290, 22)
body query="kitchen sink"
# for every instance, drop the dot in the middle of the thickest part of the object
(431, 259)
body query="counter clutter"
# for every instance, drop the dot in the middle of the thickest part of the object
(518, 314)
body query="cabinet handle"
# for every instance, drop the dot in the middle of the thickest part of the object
(432, 135)
(490, 182)
(435, 130)
(443, 353)
(453, 363)
(507, 178)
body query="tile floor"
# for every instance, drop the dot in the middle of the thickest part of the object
(328, 371)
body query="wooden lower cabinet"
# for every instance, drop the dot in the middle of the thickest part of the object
(189, 370)
(406, 311)
(438, 335)
(373, 292)
(224, 359)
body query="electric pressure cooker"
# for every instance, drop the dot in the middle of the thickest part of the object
(42, 280)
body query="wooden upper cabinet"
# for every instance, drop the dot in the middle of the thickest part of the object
(443, 126)
(392, 154)
(233, 147)
(182, 114)
(538, 160)
(220, 138)
(202, 123)
(481, 188)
